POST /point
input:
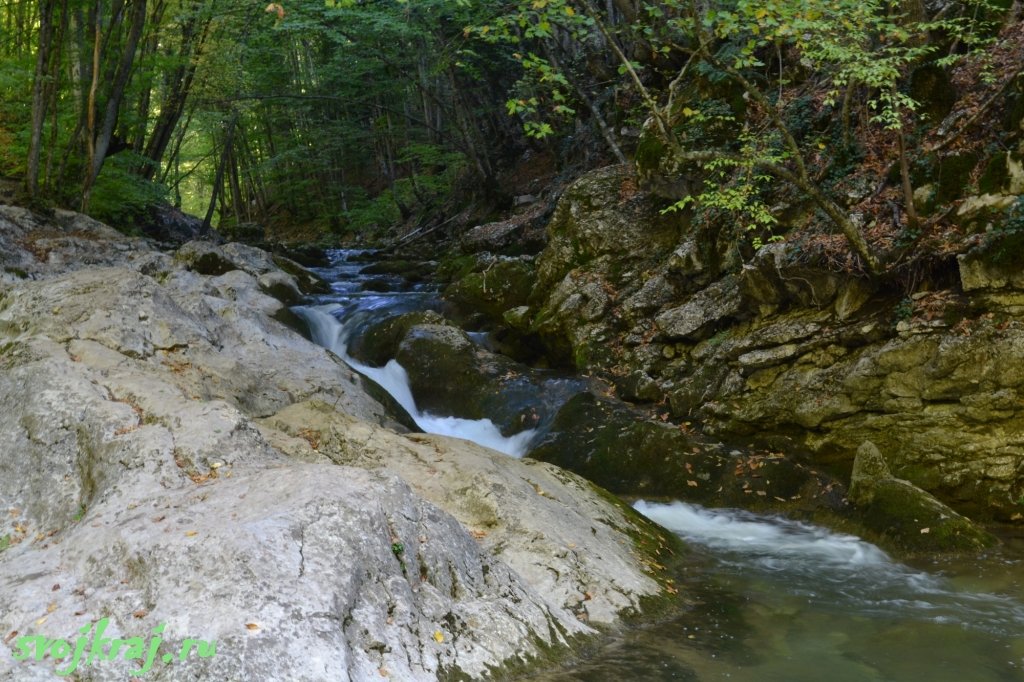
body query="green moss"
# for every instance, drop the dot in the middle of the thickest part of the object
(17, 272)
(649, 152)
(503, 285)
(995, 175)
(912, 521)
(954, 174)
(308, 282)
(456, 267)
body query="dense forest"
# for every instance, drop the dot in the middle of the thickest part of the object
(349, 117)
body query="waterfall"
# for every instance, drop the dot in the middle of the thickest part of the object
(328, 331)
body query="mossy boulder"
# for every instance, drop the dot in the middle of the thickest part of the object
(604, 214)
(504, 284)
(451, 375)
(379, 342)
(628, 453)
(906, 516)
(308, 281)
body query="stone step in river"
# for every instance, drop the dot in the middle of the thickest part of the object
(774, 600)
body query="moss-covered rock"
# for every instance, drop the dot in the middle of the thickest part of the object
(379, 342)
(412, 271)
(308, 281)
(451, 375)
(503, 284)
(906, 516)
(628, 453)
(603, 214)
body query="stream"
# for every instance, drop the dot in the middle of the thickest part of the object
(774, 600)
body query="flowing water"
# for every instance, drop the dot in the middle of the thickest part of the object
(773, 600)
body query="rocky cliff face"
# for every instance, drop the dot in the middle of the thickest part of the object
(796, 357)
(172, 454)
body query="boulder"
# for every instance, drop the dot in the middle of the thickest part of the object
(700, 316)
(449, 375)
(602, 214)
(170, 224)
(625, 451)
(503, 284)
(905, 515)
(177, 462)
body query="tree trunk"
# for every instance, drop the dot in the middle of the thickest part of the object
(102, 141)
(218, 181)
(39, 99)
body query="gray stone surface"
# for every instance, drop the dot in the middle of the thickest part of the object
(170, 454)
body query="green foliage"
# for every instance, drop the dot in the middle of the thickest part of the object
(121, 198)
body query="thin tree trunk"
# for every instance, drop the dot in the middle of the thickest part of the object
(39, 99)
(102, 142)
(219, 179)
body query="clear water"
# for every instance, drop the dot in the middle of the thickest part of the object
(772, 600)
(780, 601)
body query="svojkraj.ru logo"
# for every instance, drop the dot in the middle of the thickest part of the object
(91, 647)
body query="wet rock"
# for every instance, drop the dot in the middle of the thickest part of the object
(502, 284)
(625, 451)
(451, 375)
(906, 516)
(378, 343)
(412, 271)
(307, 281)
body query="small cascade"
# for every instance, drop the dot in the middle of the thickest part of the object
(831, 570)
(328, 331)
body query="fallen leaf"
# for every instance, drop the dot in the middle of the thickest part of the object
(478, 534)
(141, 613)
(692, 484)
(52, 607)
(438, 636)
(926, 530)
(252, 626)
(191, 533)
(12, 635)
(383, 672)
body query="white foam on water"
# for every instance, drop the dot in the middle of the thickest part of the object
(831, 568)
(767, 537)
(329, 332)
